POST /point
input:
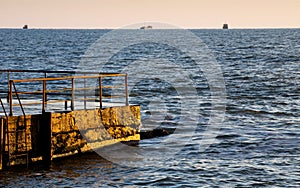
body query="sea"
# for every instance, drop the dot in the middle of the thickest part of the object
(232, 96)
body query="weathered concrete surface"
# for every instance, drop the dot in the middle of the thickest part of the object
(86, 129)
(69, 132)
(19, 138)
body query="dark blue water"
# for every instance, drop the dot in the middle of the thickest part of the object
(256, 145)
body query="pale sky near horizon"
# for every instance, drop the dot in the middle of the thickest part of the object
(119, 13)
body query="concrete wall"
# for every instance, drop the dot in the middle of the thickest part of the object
(57, 134)
(82, 130)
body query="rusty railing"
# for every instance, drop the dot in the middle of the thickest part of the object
(41, 95)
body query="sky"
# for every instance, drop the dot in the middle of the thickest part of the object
(113, 14)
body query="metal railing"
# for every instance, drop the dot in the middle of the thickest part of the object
(67, 89)
(3, 108)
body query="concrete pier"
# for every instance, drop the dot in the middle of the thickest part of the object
(43, 137)
(41, 125)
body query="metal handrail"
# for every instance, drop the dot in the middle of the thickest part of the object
(52, 71)
(11, 83)
(70, 77)
(3, 108)
(44, 91)
(45, 72)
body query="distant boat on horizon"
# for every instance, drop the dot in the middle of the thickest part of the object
(146, 27)
(225, 26)
(25, 27)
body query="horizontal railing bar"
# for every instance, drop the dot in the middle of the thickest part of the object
(80, 99)
(112, 96)
(92, 99)
(47, 102)
(52, 71)
(31, 103)
(40, 93)
(88, 94)
(87, 88)
(67, 78)
(87, 99)
(116, 86)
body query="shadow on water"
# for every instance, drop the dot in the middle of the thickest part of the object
(63, 169)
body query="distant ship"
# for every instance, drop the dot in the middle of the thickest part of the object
(146, 27)
(25, 27)
(225, 26)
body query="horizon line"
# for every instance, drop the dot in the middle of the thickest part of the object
(104, 28)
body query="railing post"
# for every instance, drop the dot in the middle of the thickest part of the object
(10, 98)
(66, 104)
(45, 75)
(84, 85)
(44, 96)
(100, 90)
(8, 78)
(126, 90)
(73, 94)
(1, 143)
